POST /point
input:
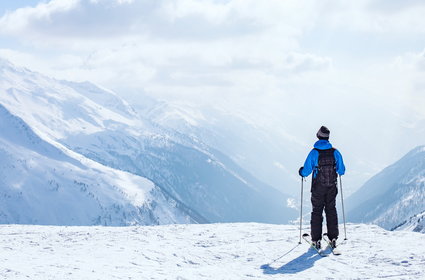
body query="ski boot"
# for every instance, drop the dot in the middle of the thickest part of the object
(316, 244)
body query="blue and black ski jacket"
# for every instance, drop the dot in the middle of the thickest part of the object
(312, 160)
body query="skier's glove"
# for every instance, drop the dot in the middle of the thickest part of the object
(299, 171)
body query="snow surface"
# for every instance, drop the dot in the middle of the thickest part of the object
(213, 251)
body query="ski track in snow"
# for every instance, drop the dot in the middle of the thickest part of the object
(213, 251)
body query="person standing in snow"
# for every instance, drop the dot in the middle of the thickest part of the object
(325, 162)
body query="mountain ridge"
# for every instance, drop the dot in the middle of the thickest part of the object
(393, 195)
(44, 183)
(113, 134)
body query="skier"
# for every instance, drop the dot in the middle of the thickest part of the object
(325, 162)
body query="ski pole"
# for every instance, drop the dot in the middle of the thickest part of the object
(301, 209)
(342, 202)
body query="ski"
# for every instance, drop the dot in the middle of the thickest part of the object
(334, 251)
(306, 237)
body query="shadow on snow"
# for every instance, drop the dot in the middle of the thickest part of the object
(299, 264)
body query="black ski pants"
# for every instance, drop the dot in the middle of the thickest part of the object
(323, 197)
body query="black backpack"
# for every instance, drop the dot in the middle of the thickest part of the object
(326, 168)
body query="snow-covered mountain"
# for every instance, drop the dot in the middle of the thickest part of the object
(98, 124)
(208, 251)
(236, 135)
(394, 195)
(43, 183)
(415, 223)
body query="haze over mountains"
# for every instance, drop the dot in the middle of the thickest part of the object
(254, 147)
(64, 142)
(199, 181)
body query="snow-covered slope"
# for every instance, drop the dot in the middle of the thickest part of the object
(213, 251)
(394, 195)
(415, 223)
(42, 183)
(99, 125)
(236, 135)
(56, 110)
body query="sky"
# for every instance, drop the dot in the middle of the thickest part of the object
(290, 65)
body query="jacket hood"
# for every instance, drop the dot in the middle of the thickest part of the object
(323, 145)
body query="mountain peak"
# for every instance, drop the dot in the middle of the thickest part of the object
(393, 195)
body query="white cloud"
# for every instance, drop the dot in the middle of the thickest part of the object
(239, 47)
(381, 16)
(169, 45)
(23, 19)
(289, 65)
(410, 62)
(409, 69)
